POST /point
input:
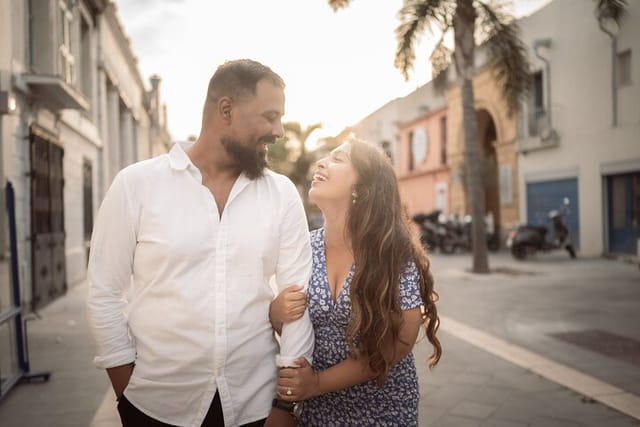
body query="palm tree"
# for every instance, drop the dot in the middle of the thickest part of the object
(611, 9)
(499, 33)
(295, 132)
(298, 158)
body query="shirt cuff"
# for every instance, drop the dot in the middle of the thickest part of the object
(288, 361)
(117, 359)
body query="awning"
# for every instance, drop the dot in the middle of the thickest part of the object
(54, 92)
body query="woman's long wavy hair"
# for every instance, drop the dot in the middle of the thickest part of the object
(383, 245)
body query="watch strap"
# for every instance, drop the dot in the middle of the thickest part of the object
(284, 405)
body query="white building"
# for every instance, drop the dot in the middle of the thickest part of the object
(81, 113)
(579, 136)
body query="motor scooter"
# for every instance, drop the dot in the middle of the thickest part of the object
(527, 239)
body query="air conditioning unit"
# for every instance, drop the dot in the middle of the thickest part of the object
(548, 136)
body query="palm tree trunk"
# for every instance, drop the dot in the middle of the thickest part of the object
(464, 28)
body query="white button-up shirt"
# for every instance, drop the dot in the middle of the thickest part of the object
(184, 292)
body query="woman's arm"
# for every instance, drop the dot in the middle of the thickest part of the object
(288, 306)
(304, 383)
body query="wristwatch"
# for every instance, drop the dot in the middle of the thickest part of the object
(293, 408)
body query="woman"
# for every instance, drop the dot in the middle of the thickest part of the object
(369, 292)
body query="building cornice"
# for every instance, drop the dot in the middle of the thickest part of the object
(112, 19)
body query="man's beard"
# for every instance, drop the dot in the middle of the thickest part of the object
(251, 161)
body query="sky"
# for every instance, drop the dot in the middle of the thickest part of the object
(338, 66)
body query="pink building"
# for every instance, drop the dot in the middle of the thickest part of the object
(423, 172)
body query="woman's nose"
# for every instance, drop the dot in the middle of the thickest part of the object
(321, 163)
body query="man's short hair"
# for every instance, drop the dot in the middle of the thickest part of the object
(237, 79)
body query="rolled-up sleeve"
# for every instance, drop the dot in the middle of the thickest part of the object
(113, 245)
(294, 268)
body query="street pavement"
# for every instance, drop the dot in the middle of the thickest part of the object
(579, 313)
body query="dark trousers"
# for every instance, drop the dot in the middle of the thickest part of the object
(133, 417)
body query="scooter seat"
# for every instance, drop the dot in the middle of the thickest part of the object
(540, 228)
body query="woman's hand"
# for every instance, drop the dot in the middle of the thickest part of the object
(297, 384)
(288, 306)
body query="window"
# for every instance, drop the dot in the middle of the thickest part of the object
(67, 67)
(443, 137)
(386, 148)
(411, 161)
(537, 119)
(87, 197)
(623, 68)
(537, 94)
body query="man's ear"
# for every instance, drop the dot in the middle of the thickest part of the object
(224, 108)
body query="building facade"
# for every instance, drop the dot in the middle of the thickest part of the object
(579, 134)
(497, 141)
(79, 112)
(412, 131)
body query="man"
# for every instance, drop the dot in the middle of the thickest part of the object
(190, 240)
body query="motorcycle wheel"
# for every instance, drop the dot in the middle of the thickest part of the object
(519, 251)
(427, 245)
(572, 252)
(493, 244)
(447, 246)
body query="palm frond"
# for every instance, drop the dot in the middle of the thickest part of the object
(611, 9)
(415, 16)
(338, 4)
(309, 130)
(440, 61)
(293, 128)
(507, 53)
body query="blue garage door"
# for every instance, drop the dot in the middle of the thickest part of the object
(545, 196)
(624, 212)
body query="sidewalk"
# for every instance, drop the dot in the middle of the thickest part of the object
(582, 313)
(59, 342)
(470, 387)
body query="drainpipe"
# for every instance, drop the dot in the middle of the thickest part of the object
(547, 71)
(614, 90)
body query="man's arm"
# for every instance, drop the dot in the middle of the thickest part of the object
(109, 274)
(294, 268)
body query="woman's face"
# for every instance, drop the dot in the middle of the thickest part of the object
(334, 179)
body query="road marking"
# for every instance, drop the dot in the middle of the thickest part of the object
(607, 394)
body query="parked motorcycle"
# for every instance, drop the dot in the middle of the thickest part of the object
(433, 234)
(527, 239)
(459, 233)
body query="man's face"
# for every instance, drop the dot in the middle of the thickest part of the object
(255, 124)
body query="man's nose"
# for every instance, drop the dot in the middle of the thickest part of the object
(278, 129)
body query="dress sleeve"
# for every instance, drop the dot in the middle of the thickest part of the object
(410, 287)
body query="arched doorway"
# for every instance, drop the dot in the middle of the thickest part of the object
(487, 138)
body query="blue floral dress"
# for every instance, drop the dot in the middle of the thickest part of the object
(396, 403)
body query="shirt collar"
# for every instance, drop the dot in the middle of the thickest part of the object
(178, 158)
